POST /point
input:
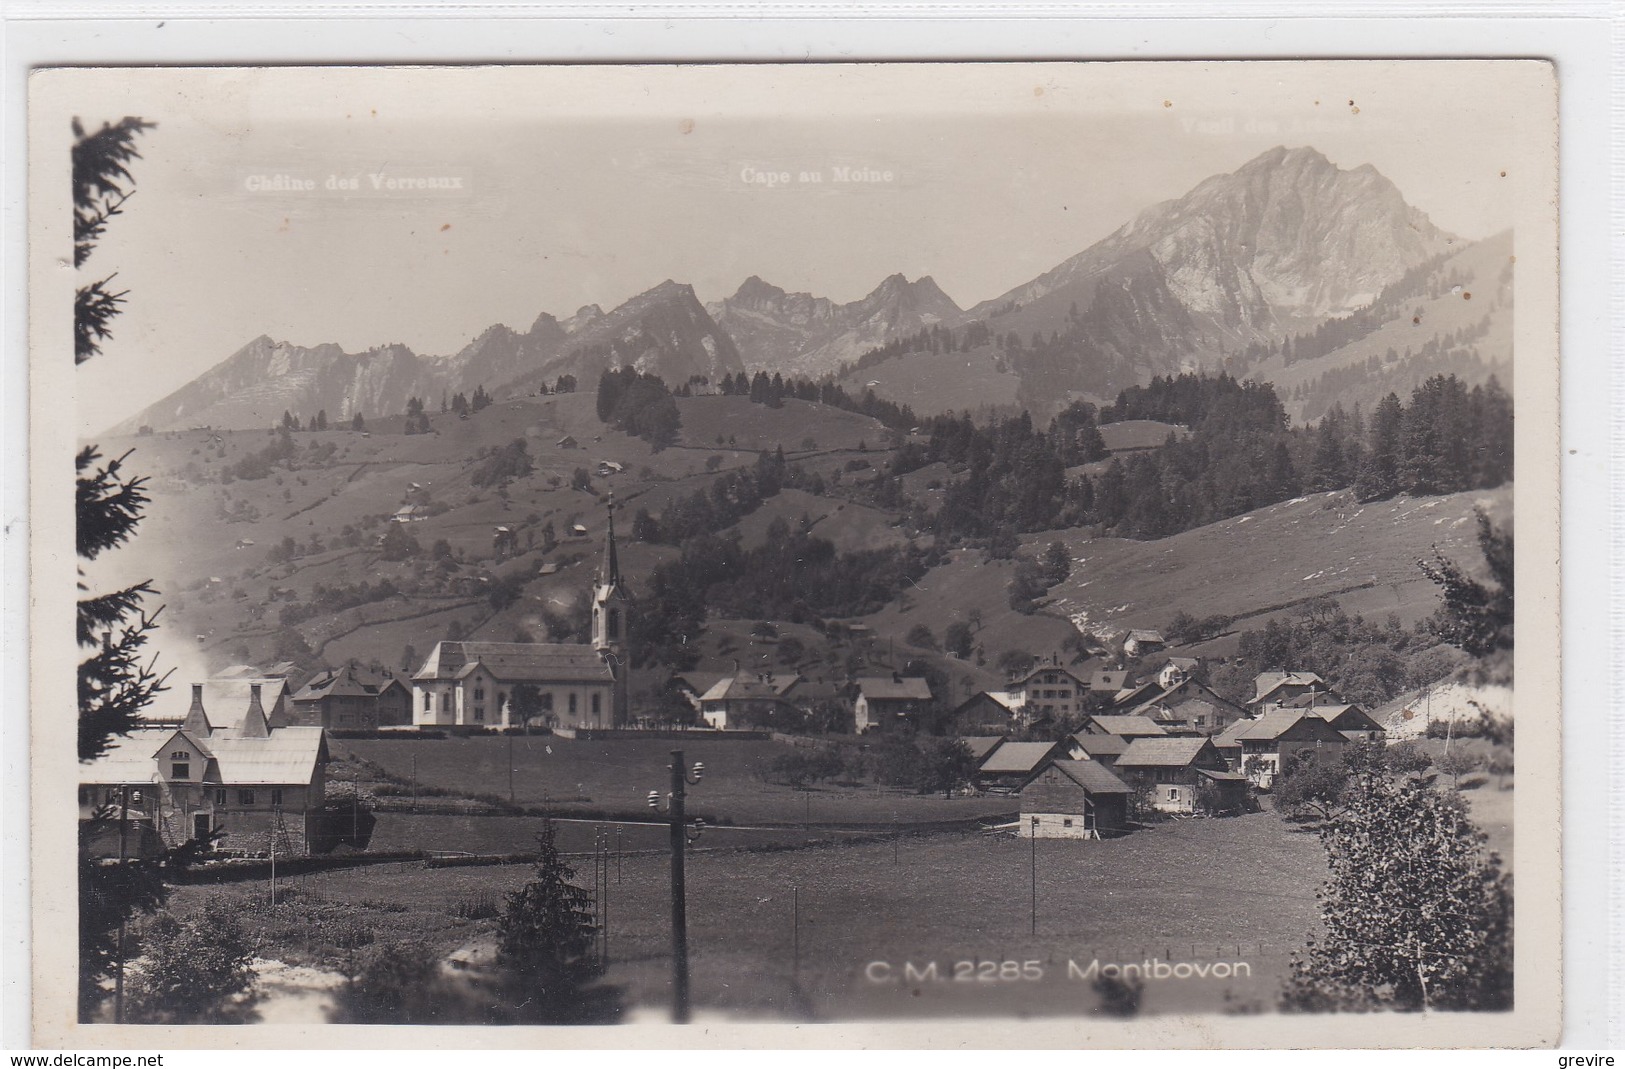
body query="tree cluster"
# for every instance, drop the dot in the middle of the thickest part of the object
(639, 404)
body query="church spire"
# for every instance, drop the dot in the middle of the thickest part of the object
(612, 563)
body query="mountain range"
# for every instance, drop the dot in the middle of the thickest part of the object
(1278, 246)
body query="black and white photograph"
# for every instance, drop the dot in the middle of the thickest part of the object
(859, 547)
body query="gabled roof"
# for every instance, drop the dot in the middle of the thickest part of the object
(1027, 676)
(1145, 635)
(349, 681)
(751, 686)
(287, 756)
(1093, 777)
(1127, 726)
(1163, 694)
(1278, 722)
(981, 745)
(1222, 777)
(1266, 683)
(226, 699)
(1230, 737)
(1170, 752)
(1110, 680)
(1101, 745)
(518, 662)
(1017, 757)
(886, 688)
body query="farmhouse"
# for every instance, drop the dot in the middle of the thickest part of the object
(1186, 705)
(1110, 681)
(1047, 692)
(1282, 688)
(1353, 722)
(749, 700)
(889, 703)
(565, 685)
(985, 712)
(1074, 800)
(1010, 766)
(410, 514)
(1142, 641)
(1180, 773)
(261, 785)
(1260, 748)
(353, 698)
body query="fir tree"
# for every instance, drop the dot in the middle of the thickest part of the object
(1475, 617)
(546, 944)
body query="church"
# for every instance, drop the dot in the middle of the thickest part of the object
(573, 685)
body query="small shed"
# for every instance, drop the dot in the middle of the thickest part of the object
(1074, 800)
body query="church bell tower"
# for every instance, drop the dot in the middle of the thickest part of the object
(611, 605)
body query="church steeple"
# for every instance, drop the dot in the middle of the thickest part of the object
(611, 575)
(609, 597)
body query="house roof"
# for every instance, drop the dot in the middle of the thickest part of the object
(981, 745)
(1169, 752)
(1277, 722)
(1027, 676)
(1230, 737)
(1101, 745)
(225, 700)
(1266, 683)
(288, 755)
(886, 688)
(1127, 726)
(1093, 777)
(699, 682)
(1016, 757)
(518, 662)
(349, 681)
(128, 758)
(747, 686)
(1110, 680)
(1145, 635)
(1191, 686)
(1222, 777)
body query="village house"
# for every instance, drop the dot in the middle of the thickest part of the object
(1110, 681)
(410, 514)
(1048, 692)
(1074, 800)
(1010, 766)
(1181, 775)
(1351, 721)
(1272, 689)
(1180, 703)
(750, 700)
(985, 712)
(1262, 747)
(353, 699)
(1141, 641)
(576, 686)
(262, 786)
(891, 703)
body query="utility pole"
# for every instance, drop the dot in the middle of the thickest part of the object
(679, 903)
(118, 975)
(1035, 874)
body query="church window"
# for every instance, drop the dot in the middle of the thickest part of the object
(428, 702)
(479, 694)
(445, 702)
(613, 626)
(479, 712)
(245, 797)
(572, 703)
(597, 704)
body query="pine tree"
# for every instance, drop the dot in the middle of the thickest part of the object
(1417, 915)
(546, 944)
(1475, 617)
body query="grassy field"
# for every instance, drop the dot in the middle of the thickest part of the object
(618, 776)
(1201, 891)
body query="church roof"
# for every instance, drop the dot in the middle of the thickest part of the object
(518, 662)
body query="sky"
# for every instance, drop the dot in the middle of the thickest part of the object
(578, 186)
